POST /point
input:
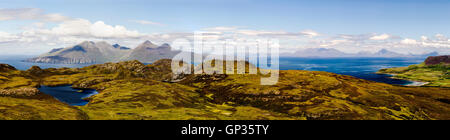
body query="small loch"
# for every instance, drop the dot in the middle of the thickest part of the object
(69, 95)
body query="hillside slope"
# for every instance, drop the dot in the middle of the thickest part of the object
(134, 91)
(435, 71)
(21, 100)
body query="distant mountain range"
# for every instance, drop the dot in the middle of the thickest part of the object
(89, 52)
(333, 53)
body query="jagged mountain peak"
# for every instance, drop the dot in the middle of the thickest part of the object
(147, 44)
(87, 43)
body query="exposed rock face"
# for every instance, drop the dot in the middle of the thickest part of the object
(35, 70)
(6, 67)
(434, 60)
(21, 92)
(132, 66)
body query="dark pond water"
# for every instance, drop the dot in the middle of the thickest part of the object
(69, 95)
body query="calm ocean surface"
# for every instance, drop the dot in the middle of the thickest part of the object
(363, 68)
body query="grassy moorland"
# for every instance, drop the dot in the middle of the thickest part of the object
(134, 91)
(21, 100)
(434, 75)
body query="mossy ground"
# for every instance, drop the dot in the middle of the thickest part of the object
(37, 108)
(435, 75)
(133, 91)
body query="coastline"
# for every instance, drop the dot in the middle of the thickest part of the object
(417, 84)
(414, 83)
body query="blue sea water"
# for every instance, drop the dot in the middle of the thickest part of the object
(363, 68)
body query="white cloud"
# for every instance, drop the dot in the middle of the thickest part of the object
(310, 33)
(6, 37)
(424, 38)
(221, 28)
(441, 37)
(264, 33)
(146, 22)
(380, 37)
(257, 32)
(31, 14)
(365, 42)
(409, 41)
(40, 39)
(84, 28)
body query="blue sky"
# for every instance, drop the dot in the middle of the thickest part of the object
(410, 18)
(402, 18)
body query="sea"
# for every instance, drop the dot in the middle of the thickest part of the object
(363, 68)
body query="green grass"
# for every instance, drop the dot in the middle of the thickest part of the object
(133, 91)
(436, 75)
(45, 108)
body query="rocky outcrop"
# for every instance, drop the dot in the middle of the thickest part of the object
(6, 68)
(435, 60)
(35, 70)
(20, 92)
(132, 66)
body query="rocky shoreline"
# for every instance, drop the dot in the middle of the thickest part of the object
(413, 84)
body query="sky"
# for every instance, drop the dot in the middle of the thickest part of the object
(404, 26)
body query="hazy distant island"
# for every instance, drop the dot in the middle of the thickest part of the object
(89, 52)
(334, 53)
